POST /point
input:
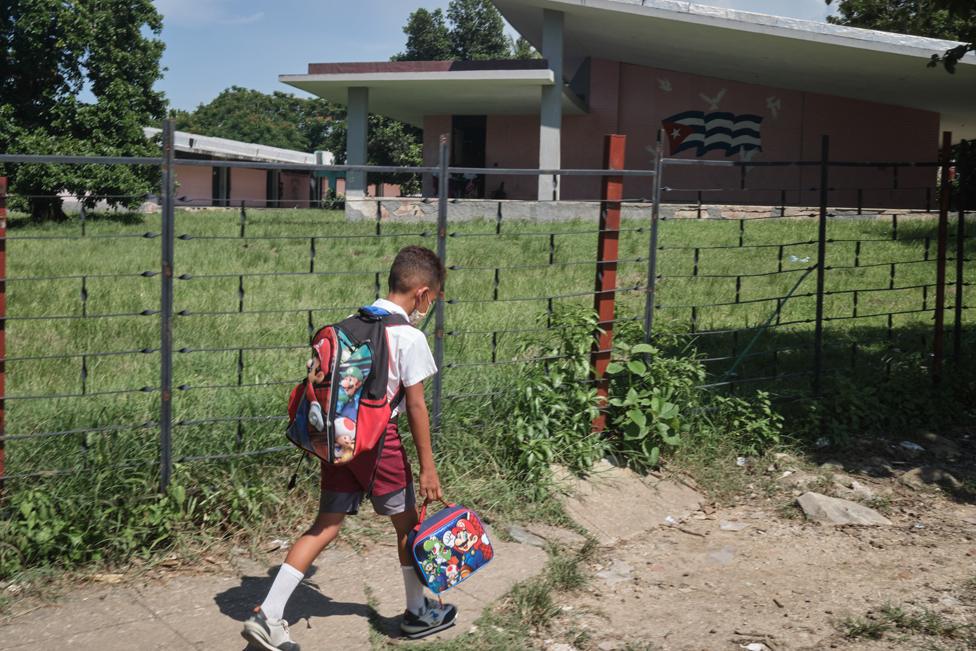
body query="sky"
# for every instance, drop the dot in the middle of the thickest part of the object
(214, 44)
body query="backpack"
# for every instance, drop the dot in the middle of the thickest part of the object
(448, 546)
(343, 411)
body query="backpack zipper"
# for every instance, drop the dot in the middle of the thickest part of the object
(333, 394)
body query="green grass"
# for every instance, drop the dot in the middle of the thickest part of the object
(277, 309)
(891, 619)
(215, 383)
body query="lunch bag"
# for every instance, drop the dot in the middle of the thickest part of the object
(448, 546)
(346, 412)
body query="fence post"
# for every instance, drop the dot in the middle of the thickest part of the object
(938, 340)
(166, 314)
(962, 175)
(821, 258)
(652, 247)
(3, 327)
(442, 187)
(607, 252)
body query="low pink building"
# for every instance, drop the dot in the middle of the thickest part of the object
(210, 185)
(718, 84)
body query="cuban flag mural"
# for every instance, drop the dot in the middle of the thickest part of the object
(718, 131)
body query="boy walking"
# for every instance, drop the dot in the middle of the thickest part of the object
(416, 279)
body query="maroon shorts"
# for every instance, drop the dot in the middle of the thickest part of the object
(393, 472)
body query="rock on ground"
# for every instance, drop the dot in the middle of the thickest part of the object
(923, 476)
(835, 511)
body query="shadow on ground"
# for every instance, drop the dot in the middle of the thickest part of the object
(308, 602)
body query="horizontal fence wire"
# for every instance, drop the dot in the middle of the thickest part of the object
(509, 277)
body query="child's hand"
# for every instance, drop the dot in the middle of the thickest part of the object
(430, 486)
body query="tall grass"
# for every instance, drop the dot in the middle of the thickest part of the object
(227, 400)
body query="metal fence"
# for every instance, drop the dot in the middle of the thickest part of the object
(216, 319)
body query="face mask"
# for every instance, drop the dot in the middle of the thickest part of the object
(417, 316)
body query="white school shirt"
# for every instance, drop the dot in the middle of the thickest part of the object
(411, 361)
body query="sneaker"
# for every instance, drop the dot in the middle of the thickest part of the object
(263, 633)
(435, 617)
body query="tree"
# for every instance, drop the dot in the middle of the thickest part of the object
(954, 20)
(276, 120)
(522, 49)
(391, 143)
(477, 31)
(428, 38)
(52, 51)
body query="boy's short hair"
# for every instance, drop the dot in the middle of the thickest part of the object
(415, 266)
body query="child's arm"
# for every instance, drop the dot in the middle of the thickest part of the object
(417, 416)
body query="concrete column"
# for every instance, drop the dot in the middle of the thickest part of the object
(551, 110)
(357, 130)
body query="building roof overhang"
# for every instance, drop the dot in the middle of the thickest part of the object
(410, 90)
(224, 148)
(755, 48)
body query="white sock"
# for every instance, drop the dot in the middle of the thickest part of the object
(284, 584)
(414, 589)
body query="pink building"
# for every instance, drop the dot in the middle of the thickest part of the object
(719, 84)
(208, 185)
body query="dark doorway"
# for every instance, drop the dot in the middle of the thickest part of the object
(221, 186)
(468, 137)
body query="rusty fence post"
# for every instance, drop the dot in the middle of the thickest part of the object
(3, 328)
(612, 193)
(938, 340)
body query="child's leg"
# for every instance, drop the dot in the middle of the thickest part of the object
(300, 557)
(403, 523)
(311, 543)
(413, 588)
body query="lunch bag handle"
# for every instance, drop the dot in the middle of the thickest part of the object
(423, 508)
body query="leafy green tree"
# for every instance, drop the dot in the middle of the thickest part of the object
(477, 31)
(53, 50)
(953, 20)
(277, 120)
(390, 143)
(428, 38)
(522, 49)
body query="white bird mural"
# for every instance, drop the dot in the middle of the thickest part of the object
(775, 105)
(664, 84)
(713, 102)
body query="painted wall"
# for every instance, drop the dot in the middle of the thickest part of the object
(194, 185)
(249, 186)
(388, 189)
(637, 100)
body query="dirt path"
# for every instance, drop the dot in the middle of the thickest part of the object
(671, 572)
(349, 593)
(759, 574)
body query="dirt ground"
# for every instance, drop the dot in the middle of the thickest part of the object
(671, 570)
(758, 573)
